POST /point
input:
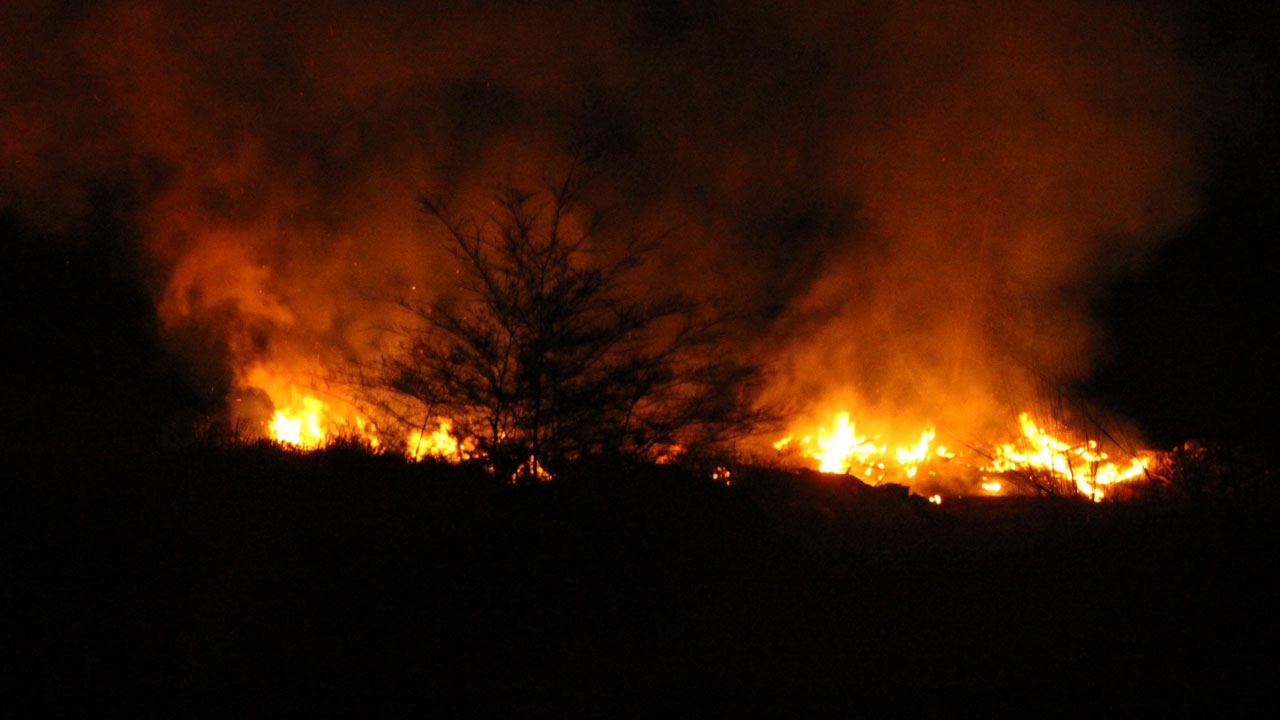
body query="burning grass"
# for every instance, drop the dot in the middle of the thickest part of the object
(1034, 460)
(1031, 459)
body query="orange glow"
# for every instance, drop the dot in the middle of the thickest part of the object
(299, 425)
(910, 458)
(439, 443)
(531, 468)
(308, 423)
(844, 450)
(837, 451)
(667, 453)
(1082, 465)
(309, 419)
(1033, 454)
(1034, 460)
(302, 420)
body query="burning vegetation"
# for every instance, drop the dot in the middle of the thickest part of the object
(576, 352)
(540, 357)
(1035, 461)
(909, 208)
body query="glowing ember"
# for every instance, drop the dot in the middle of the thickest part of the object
(531, 468)
(722, 474)
(666, 454)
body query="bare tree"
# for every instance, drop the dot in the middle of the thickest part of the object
(544, 354)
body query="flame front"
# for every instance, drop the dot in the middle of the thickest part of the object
(303, 421)
(300, 425)
(842, 450)
(439, 443)
(1035, 454)
(1035, 458)
(309, 423)
(1083, 465)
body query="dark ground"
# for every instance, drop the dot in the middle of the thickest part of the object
(227, 582)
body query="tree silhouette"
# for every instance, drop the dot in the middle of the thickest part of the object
(544, 356)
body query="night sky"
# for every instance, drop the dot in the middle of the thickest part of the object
(918, 203)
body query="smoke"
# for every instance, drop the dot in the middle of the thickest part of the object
(919, 200)
(1021, 158)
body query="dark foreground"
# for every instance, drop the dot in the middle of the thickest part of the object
(223, 583)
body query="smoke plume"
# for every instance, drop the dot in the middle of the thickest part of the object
(917, 200)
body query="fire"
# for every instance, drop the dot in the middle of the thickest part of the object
(299, 425)
(843, 450)
(666, 453)
(722, 474)
(836, 451)
(531, 468)
(439, 443)
(910, 458)
(302, 420)
(1035, 457)
(309, 423)
(1082, 465)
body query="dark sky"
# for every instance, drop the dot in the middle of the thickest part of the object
(926, 206)
(1195, 337)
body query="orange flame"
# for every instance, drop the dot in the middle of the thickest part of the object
(299, 425)
(439, 443)
(308, 423)
(843, 450)
(1082, 466)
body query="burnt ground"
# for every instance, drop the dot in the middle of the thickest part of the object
(232, 581)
